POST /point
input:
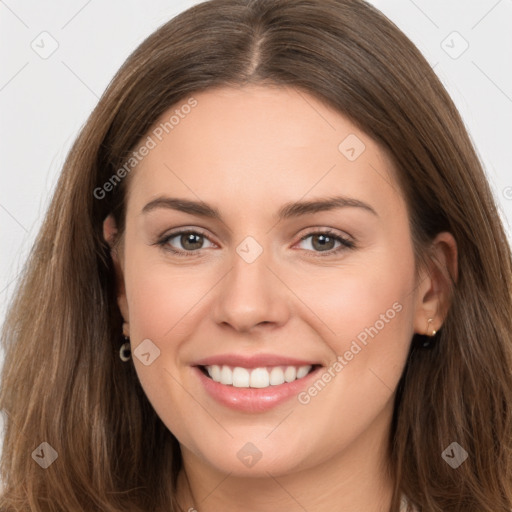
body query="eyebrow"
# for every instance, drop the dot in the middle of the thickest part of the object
(287, 211)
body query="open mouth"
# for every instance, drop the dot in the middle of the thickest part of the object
(262, 377)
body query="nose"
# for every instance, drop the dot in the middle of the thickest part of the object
(251, 295)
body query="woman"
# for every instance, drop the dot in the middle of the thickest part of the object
(337, 335)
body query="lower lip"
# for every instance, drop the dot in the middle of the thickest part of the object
(254, 399)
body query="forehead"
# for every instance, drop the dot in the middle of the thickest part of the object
(255, 144)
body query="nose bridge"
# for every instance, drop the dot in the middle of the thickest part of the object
(250, 293)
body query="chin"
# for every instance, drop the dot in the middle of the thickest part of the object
(254, 459)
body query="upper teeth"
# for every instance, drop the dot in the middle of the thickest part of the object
(257, 377)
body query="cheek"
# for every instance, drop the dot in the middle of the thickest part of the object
(358, 300)
(161, 297)
(366, 316)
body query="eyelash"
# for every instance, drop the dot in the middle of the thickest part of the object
(345, 242)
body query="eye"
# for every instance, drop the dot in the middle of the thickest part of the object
(323, 241)
(191, 241)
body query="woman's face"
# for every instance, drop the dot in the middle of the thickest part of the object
(307, 264)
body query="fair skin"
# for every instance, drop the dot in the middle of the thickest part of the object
(247, 151)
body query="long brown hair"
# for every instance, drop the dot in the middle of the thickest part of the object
(63, 382)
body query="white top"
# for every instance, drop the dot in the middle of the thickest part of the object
(404, 504)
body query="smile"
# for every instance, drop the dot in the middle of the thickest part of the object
(254, 383)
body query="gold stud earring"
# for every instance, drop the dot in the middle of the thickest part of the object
(433, 330)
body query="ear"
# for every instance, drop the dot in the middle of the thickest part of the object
(110, 234)
(434, 291)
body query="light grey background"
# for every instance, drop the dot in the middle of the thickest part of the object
(44, 99)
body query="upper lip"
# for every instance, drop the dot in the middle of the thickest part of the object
(254, 361)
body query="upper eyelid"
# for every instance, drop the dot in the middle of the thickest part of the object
(180, 231)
